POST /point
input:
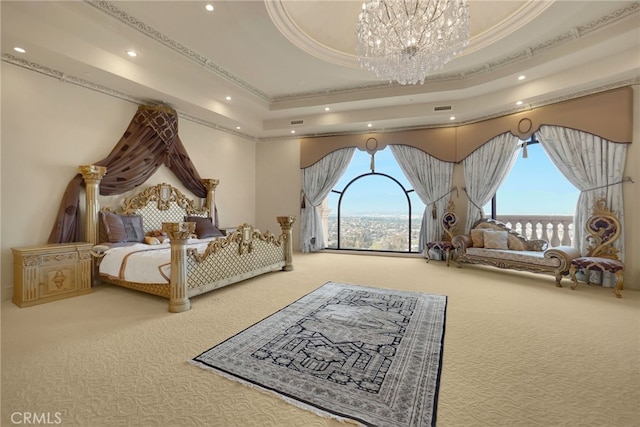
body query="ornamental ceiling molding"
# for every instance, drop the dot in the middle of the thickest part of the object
(208, 64)
(145, 29)
(630, 11)
(59, 75)
(574, 95)
(477, 119)
(289, 29)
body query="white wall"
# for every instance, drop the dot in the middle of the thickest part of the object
(278, 185)
(50, 127)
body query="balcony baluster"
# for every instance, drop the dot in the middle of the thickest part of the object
(556, 229)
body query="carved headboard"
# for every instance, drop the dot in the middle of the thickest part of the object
(170, 204)
(157, 204)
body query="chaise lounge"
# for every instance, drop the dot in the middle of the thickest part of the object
(491, 242)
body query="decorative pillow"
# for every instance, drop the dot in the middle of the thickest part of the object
(150, 240)
(123, 228)
(156, 237)
(495, 239)
(477, 238)
(204, 227)
(516, 244)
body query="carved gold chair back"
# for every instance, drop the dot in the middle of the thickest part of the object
(449, 222)
(603, 228)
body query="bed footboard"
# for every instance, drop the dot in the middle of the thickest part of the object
(243, 254)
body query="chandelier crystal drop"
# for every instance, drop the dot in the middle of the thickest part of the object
(406, 40)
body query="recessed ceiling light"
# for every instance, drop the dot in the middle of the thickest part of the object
(369, 125)
(238, 127)
(293, 131)
(19, 49)
(452, 118)
(519, 103)
(209, 7)
(522, 77)
(228, 98)
(132, 53)
(327, 109)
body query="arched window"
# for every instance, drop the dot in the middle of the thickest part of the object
(374, 209)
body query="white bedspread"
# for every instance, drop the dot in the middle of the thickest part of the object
(142, 263)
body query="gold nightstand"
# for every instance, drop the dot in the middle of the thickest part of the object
(50, 272)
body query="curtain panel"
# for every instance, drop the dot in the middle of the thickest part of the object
(150, 140)
(593, 165)
(431, 179)
(484, 171)
(317, 182)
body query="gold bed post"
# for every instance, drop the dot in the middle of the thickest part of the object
(178, 233)
(210, 185)
(285, 223)
(92, 176)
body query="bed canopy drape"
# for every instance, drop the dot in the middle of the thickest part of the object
(150, 140)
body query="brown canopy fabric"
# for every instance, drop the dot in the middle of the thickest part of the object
(150, 141)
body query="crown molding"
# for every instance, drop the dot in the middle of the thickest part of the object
(59, 75)
(288, 28)
(631, 10)
(631, 82)
(183, 50)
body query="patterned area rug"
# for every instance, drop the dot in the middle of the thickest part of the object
(349, 352)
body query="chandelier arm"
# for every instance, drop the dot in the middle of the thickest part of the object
(415, 13)
(430, 20)
(435, 18)
(395, 30)
(415, 9)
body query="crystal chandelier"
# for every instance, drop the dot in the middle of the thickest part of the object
(406, 40)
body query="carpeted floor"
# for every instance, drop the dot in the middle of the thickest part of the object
(518, 351)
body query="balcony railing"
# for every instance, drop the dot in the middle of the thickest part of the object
(555, 229)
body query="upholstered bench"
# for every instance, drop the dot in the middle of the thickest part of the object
(493, 243)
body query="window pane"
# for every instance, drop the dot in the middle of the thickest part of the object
(374, 215)
(417, 210)
(537, 200)
(374, 212)
(536, 186)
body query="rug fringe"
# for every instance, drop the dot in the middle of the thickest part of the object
(289, 400)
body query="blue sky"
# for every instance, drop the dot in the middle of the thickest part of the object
(534, 186)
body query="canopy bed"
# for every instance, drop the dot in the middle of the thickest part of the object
(161, 242)
(176, 237)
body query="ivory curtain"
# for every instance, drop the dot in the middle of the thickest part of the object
(431, 179)
(595, 166)
(484, 171)
(317, 182)
(151, 139)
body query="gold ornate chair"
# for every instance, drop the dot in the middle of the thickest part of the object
(603, 228)
(449, 220)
